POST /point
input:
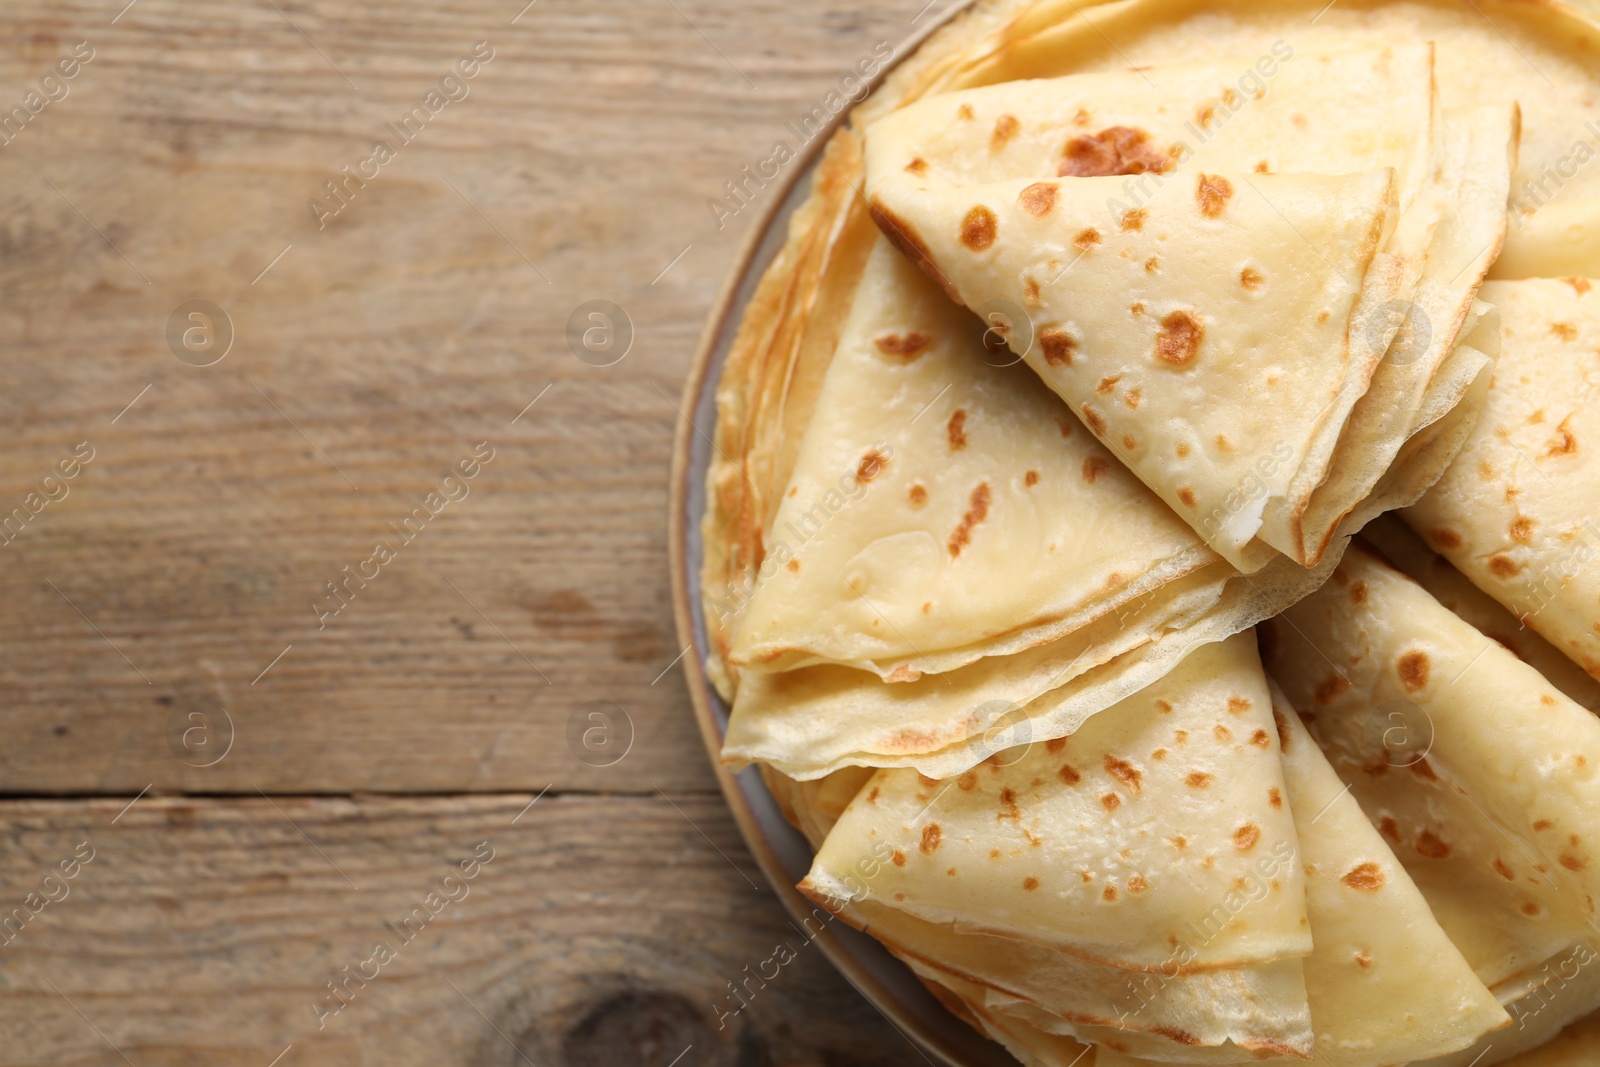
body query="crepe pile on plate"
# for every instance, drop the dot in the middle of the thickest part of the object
(1066, 387)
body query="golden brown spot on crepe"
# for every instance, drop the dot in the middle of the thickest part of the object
(1322, 316)
(1055, 744)
(964, 111)
(1389, 828)
(951, 871)
(1358, 592)
(1030, 479)
(1086, 238)
(1163, 707)
(1092, 417)
(1186, 495)
(1124, 772)
(1423, 769)
(1180, 736)
(1093, 467)
(918, 494)
(1058, 347)
(1522, 528)
(1530, 909)
(1504, 871)
(907, 346)
(1537, 418)
(1413, 667)
(1260, 740)
(872, 797)
(1213, 193)
(793, 566)
(1366, 876)
(1030, 883)
(1038, 199)
(1111, 801)
(1564, 330)
(1502, 565)
(1030, 291)
(899, 858)
(1571, 862)
(1282, 723)
(1543, 824)
(1263, 168)
(968, 781)
(1070, 775)
(1114, 150)
(1182, 450)
(1005, 128)
(930, 839)
(1198, 779)
(978, 228)
(1179, 339)
(1563, 443)
(1545, 698)
(1159, 754)
(1137, 884)
(1444, 537)
(977, 511)
(1109, 893)
(1429, 845)
(871, 466)
(1251, 278)
(1246, 836)
(1152, 265)
(918, 165)
(1107, 384)
(1274, 797)
(1329, 688)
(1239, 705)
(956, 430)
(1008, 800)
(1485, 470)
(1579, 285)
(1134, 220)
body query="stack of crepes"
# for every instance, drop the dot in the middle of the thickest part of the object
(1213, 377)
(1062, 384)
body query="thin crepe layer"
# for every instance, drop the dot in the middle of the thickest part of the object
(1403, 548)
(1167, 330)
(1513, 511)
(1109, 844)
(1480, 773)
(815, 720)
(946, 506)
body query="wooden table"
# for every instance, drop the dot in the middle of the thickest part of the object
(271, 777)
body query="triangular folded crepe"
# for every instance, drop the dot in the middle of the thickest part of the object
(946, 506)
(1481, 774)
(1094, 844)
(1211, 337)
(1074, 568)
(1514, 512)
(1401, 546)
(1126, 122)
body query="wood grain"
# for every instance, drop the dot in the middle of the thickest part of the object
(369, 358)
(603, 931)
(159, 635)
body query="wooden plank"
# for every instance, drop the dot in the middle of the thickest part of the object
(369, 356)
(603, 930)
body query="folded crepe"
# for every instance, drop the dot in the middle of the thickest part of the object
(1383, 982)
(1479, 772)
(1169, 328)
(1403, 548)
(951, 526)
(1144, 124)
(1090, 844)
(1513, 512)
